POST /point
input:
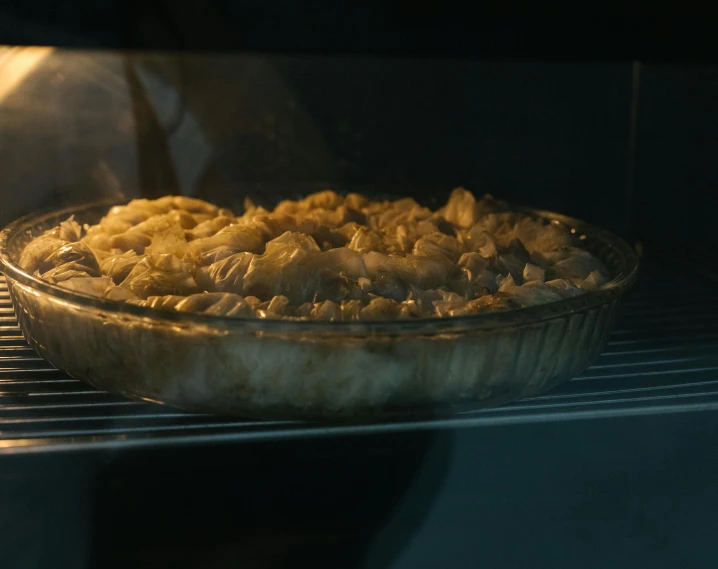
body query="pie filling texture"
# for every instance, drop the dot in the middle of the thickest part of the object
(324, 257)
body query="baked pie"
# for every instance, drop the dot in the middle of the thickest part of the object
(324, 257)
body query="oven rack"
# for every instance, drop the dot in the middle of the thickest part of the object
(662, 357)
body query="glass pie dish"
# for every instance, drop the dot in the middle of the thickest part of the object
(285, 369)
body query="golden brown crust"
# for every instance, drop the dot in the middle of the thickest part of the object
(326, 256)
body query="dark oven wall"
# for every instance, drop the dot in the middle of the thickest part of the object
(554, 135)
(548, 135)
(624, 145)
(676, 182)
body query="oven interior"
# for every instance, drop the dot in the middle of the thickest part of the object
(620, 455)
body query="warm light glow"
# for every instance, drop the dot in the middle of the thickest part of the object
(16, 63)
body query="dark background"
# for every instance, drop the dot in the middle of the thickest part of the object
(587, 134)
(588, 494)
(668, 31)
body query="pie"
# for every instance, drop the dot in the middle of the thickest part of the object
(324, 257)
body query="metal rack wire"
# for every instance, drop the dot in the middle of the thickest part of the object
(661, 358)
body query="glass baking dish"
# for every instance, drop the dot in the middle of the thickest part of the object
(285, 369)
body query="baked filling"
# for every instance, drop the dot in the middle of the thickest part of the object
(325, 257)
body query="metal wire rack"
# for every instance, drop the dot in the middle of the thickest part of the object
(661, 358)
